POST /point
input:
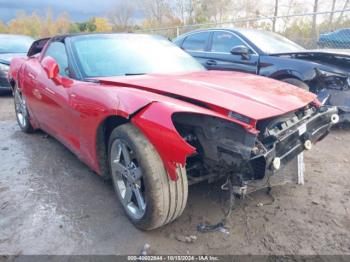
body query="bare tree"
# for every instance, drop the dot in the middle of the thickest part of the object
(156, 10)
(180, 10)
(332, 12)
(314, 18)
(342, 12)
(292, 7)
(191, 10)
(121, 16)
(275, 14)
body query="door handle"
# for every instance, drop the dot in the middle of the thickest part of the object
(211, 62)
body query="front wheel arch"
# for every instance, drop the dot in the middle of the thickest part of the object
(103, 133)
(296, 82)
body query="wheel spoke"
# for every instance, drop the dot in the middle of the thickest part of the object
(21, 109)
(136, 173)
(118, 167)
(119, 153)
(126, 154)
(18, 102)
(139, 198)
(128, 194)
(127, 176)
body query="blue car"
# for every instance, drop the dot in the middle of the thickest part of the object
(336, 39)
(323, 72)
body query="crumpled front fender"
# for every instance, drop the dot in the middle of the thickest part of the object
(155, 122)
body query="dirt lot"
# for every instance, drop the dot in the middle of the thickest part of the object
(51, 203)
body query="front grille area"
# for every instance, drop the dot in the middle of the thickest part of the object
(289, 143)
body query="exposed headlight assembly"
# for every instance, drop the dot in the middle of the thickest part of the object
(333, 80)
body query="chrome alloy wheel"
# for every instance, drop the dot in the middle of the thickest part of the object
(127, 179)
(21, 109)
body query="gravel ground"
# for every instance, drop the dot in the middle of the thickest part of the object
(51, 203)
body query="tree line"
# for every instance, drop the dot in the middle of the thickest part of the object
(171, 13)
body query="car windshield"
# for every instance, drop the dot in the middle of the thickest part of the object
(15, 43)
(130, 54)
(271, 43)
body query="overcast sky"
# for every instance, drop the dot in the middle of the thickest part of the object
(78, 10)
(81, 10)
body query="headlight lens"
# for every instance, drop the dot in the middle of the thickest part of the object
(324, 73)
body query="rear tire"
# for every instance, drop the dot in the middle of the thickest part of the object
(164, 199)
(22, 114)
(296, 82)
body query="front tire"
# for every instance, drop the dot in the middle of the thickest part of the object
(21, 110)
(148, 196)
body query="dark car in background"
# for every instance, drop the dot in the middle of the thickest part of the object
(325, 73)
(11, 46)
(336, 39)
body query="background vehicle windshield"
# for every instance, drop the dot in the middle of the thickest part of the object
(15, 43)
(128, 54)
(271, 43)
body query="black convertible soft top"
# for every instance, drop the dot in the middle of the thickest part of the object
(37, 46)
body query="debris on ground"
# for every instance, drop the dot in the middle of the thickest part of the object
(186, 239)
(315, 202)
(145, 249)
(220, 226)
(224, 230)
(4, 148)
(4, 205)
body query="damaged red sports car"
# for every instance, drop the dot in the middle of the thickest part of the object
(139, 110)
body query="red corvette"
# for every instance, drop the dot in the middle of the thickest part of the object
(139, 110)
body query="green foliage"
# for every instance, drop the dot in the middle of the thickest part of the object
(37, 26)
(2, 27)
(88, 26)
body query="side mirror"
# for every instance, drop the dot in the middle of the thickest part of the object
(241, 50)
(51, 67)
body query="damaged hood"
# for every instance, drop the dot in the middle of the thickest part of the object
(250, 95)
(338, 59)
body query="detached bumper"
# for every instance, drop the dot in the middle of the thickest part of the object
(340, 99)
(295, 140)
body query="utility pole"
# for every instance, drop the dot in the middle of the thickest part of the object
(314, 19)
(275, 15)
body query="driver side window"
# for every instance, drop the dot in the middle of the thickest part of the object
(57, 51)
(223, 42)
